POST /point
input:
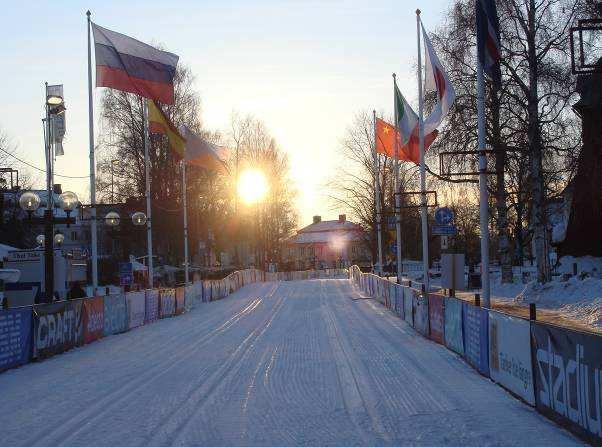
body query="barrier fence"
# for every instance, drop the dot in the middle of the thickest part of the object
(43, 330)
(554, 369)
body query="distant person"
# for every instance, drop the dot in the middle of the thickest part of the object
(76, 291)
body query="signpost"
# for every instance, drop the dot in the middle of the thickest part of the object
(444, 216)
(445, 230)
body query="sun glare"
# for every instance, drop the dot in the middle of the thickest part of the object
(252, 186)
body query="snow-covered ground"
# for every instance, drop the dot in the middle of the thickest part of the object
(291, 363)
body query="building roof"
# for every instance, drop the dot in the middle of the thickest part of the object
(326, 232)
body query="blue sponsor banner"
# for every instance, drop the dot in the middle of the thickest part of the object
(420, 304)
(454, 338)
(116, 314)
(15, 337)
(476, 337)
(408, 306)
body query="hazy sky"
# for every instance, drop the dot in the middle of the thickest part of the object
(303, 67)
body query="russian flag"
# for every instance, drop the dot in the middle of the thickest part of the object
(129, 65)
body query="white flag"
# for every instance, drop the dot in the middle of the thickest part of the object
(436, 80)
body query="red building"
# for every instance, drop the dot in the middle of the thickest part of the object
(327, 244)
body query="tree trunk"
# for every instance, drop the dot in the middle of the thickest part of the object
(538, 220)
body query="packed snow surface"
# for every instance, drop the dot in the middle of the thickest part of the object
(275, 364)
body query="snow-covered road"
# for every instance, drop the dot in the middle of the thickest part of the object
(290, 363)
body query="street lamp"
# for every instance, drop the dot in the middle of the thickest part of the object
(139, 218)
(112, 219)
(30, 202)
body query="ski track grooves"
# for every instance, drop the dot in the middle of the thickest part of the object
(84, 419)
(179, 420)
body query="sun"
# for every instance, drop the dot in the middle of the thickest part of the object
(252, 186)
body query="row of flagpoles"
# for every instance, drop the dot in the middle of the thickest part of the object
(128, 65)
(411, 135)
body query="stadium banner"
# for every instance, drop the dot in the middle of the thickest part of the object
(115, 314)
(454, 337)
(180, 297)
(476, 334)
(510, 354)
(136, 308)
(189, 293)
(420, 305)
(15, 337)
(94, 319)
(57, 327)
(167, 306)
(408, 307)
(568, 378)
(436, 318)
(151, 305)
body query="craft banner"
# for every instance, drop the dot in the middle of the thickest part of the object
(421, 312)
(408, 306)
(15, 337)
(476, 334)
(116, 314)
(94, 319)
(436, 318)
(180, 296)
(454, 338)
(568, 378)
(510, 354)
(167, 305)
(136, 308)
(57, 328)
(151, 306)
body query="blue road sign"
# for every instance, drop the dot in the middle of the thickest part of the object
(444, 230)
(444, 216)
(393, 248)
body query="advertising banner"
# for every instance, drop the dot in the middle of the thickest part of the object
(94, 318)
(180, 295)
(408, 306)
(189, 292)
(136, 312)
(421, 312)
(568, 378)
(454, 338)
(151, 306)
(510, 354)
(436, 318)
(476, 334)
(167, 305)
(15, 337)
(399, 298)
(57, 328)
(116, 314)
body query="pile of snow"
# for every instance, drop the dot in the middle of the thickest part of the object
(586, 265)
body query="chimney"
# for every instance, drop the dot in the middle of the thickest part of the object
(317, 219)
(342, 218)
(57, 189)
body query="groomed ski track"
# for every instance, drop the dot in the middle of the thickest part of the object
(274, 364)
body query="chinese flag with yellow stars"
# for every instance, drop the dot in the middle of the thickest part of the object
(385, 142)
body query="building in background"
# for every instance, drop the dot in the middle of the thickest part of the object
(327, 244)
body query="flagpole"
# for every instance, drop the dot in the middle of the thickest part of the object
(185, 221)
(149, 231)
(93, 233)
(377, 199)
(396, 187)
(483, 193)
(423, 202)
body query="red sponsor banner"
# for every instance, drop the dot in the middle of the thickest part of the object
(436, 318)
(94, 321)
(180, 302)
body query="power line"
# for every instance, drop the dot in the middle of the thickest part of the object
(40, 169)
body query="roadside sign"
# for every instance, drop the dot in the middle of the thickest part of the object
(444, 242)
(444, 230)
(126, 273)
(444, 216)
(393, 248)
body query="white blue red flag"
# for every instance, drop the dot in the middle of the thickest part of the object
(132, 66)
(488, 38)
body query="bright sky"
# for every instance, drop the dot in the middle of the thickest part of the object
(303, 67)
